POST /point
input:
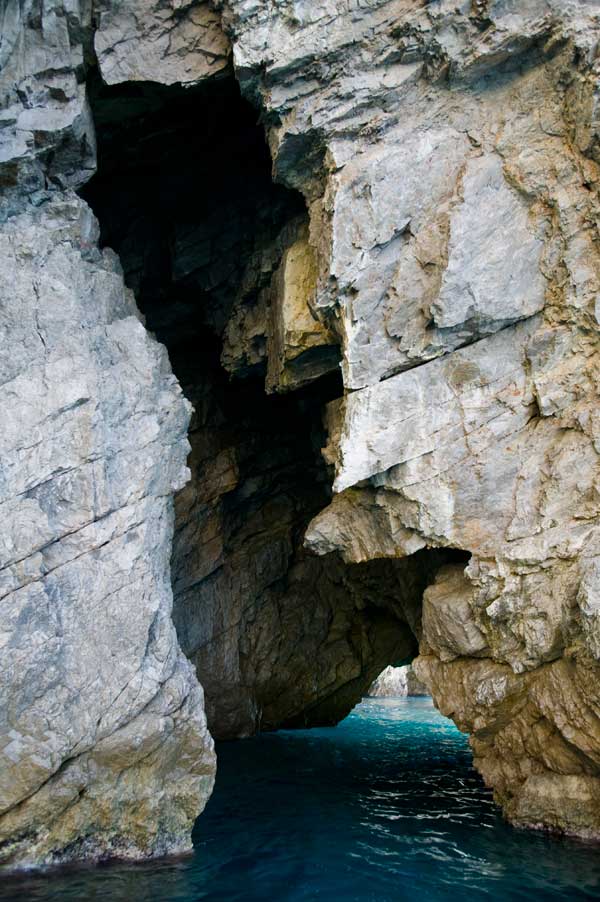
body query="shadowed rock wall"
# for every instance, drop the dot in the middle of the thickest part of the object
(445, 248)
(215, 252)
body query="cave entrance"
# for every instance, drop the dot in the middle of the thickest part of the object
(184, 194)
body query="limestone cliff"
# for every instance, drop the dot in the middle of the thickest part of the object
(104, 744)
(434, 229)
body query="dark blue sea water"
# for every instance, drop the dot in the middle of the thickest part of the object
(385, 807)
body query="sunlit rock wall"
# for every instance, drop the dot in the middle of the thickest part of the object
(448, 154)
(104, 748)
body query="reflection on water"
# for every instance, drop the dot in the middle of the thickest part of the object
(382, 808)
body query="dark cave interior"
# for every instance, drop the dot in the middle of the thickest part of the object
(184, 194)
(279, 637)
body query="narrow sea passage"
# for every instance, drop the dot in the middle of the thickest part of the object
(382, 808)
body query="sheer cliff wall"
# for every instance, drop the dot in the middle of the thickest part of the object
(440, 250)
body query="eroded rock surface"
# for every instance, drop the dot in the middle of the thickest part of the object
(104, 745)
(397, 682)
(435, 229)
(461, 229)
(105, 748)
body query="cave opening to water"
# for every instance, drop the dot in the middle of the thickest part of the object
(279, 637)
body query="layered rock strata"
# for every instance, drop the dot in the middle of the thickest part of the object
(441, 241)
(103, 738)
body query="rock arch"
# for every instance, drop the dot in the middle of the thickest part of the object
(437, 234)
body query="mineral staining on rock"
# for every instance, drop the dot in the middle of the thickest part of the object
(439, 238)
(300, 347)
(454, 225)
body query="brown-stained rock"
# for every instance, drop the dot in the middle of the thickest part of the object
(433, 221)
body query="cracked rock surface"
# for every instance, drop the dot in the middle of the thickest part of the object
(442, 244)
(104, 745)
(454, 217)
(104, 740)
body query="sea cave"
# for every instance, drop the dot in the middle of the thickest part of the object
(299, 467)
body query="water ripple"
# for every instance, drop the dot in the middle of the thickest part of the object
(383, 808)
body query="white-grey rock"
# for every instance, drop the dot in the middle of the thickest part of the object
(430, 412)
(449, 156)
(102, 716)
(493, 275)
(396, 682)
(180, 41)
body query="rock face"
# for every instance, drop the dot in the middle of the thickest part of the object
(104, 744)
(434, 229)
(448, 154)
(396, 682)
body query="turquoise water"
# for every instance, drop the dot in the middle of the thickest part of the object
(382, 808)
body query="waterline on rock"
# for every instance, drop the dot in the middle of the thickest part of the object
(386, 806)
